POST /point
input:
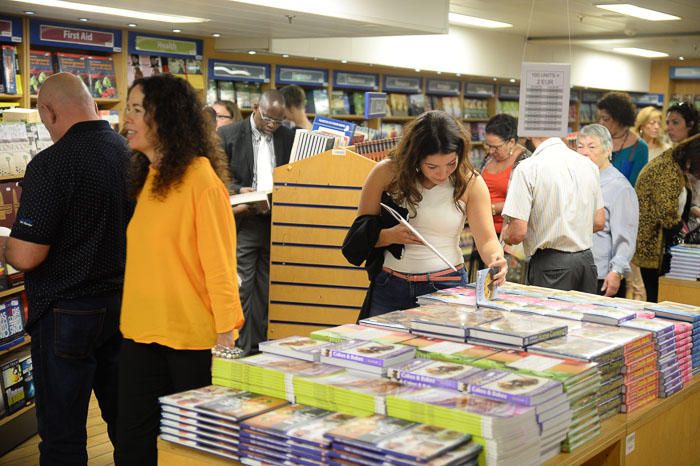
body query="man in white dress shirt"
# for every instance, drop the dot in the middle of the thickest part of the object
(554, 205)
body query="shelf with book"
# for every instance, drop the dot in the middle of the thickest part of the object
(6, 420)
(11, 97)
(347, 93)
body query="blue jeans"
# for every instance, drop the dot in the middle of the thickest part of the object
(391, 293)
(75, 350)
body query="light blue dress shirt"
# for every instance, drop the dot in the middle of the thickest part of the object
(613, 246)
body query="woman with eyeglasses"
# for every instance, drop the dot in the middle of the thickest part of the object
(227, 112)
(682, 121)
(429, 180)
(630, 153)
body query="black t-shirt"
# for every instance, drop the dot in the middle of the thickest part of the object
(74, 199)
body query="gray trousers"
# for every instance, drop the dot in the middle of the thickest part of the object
(253, 255)
(563, 270)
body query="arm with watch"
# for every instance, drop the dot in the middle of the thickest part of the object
(623, 219)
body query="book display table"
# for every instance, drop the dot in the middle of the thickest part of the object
(679, 291)
(661, 433)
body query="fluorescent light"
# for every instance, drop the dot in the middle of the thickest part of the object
(131, 25)
(177, 30)
(464, 20)
(251, 52)
(28, 12)
(638, 12)
(86, 7)
(216, 34)
(640, 52)
(458, 75)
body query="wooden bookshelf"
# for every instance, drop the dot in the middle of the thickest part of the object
(11, 97)
(11, 291)
(24, 342)
(15, 415)
(11, 178)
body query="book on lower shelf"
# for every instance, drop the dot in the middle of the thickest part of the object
(261, 200)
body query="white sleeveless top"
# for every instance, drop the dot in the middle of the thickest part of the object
(441, 223)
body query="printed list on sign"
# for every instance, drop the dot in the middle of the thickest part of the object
(544, 99)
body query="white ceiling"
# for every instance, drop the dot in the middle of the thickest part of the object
(540, 20)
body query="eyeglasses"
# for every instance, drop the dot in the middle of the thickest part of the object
(269, 120)
(488, 147)
(223, 117)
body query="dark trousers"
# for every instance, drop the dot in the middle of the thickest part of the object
(621, 292)
(563, 270)
(650, 277)
(253, 255)
(75, 350)
(146, 372)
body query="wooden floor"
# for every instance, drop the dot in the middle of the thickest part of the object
(98, 445)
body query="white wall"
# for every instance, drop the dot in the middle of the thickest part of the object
(478, 53)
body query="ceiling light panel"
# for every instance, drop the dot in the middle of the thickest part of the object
(640, 52)
(628, 9)
(464, 20)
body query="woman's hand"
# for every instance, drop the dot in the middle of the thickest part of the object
(500, 263)
(398, 234)
(226, 339)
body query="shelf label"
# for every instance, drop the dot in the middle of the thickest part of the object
(348, 80)
(407, 84)
(239, 71)
(302, 76)
(509, 92)
(375, 105)
(165, 45)
(630, 442)
(479, 90)
(442, 87)
(544, 99)
(685, 72)
(10, 29)
(66, 35)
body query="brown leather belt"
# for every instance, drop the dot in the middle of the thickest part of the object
(446, 275)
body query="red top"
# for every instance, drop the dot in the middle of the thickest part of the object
(498, 187)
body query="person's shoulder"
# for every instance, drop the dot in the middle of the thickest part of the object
(233, 129)
(284, 132)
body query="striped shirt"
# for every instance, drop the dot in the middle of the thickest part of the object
(556, 191)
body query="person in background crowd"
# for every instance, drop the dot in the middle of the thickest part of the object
(210, 114)
(554, 205)
(613, 246)
(630, 153)
(70, 240)
(427, 177)
(295, 106)
(255, 146)
(180, 291)
(663, 207)
(227, 112)
(649, 126)
(682, 121)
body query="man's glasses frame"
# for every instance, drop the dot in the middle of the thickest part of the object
(269, 120)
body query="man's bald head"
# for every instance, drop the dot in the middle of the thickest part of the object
(63, 101)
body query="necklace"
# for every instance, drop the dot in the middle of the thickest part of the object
(627, 133)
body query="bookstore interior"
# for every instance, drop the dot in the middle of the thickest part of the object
(513, 375)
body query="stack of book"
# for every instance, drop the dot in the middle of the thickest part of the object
(685, 262)
(457, 295)
(452, 322)
(360, 332)
(663, 333)
(508, 432)
(367, 356)
(684, 347)
(449, 351)
(268, 374)
(513, 331)
(296, 347)
(399, 321)
(208, 418)
(308, 445)
(384, 440)
(265, 438)
(684, 313)
(430, 373)
(307, 144)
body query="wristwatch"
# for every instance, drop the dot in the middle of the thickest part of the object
(620, 275)
(493, 209)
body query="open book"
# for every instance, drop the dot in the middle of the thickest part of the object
(260, 200)
(403, 222)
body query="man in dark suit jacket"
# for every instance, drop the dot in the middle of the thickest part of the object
(255, 146)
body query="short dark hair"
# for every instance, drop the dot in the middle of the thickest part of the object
(231, 108)
(689, 113)
(504, 126)
(687, 154)
(620, 107)
(294, 96)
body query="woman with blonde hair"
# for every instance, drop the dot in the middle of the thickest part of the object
(649, 126)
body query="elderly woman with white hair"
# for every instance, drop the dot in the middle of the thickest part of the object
(613, 247)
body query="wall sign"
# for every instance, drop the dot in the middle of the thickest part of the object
(74, 37)
(309, 77)
(350, 80)
(222, 70)
(508, 92)
(544, 99)
(479, 90)
(405, 84)
(685, 72)
(375, 105)
(443, 87)
(591, 97)
(10, 29)
(175, 47)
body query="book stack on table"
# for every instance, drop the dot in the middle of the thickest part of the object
(684, 313)
(664, 336)
(515, 331)
(452, 322)
(360, 332)
(684, 347)
(209, 418)
(367, 356)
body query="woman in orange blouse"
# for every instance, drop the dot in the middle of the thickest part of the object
(180, 289)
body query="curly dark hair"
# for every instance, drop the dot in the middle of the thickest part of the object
(183, 132)
(504, 126)
(433, 132)
(689, 113)
(620, 107)
(687, 154)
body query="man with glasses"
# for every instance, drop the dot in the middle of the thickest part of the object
(255, 146)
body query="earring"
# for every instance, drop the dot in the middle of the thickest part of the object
(510, 152)
(417, 169)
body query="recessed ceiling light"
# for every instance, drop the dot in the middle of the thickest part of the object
(285, 55)
(439, 72)
(512, 80)
(459, 74)
(681, 58)
(417, 70)
(216, 34)
(343, 61)
(638, 12)
(131, 25)
(640, 52)
(105, 10)
(464, 20)
(495, 79)
(252, 52)
(29, 13)
(84, 20)
(177, 30)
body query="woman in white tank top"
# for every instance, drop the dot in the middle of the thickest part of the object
(429, 176)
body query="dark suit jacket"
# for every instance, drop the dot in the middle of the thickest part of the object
(237, 140)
